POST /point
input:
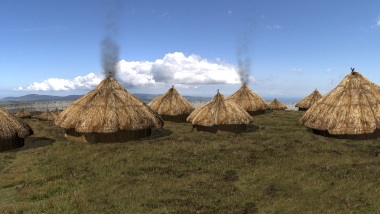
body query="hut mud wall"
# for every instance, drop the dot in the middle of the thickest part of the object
(178, 119)
(230, 128)
(120, 136)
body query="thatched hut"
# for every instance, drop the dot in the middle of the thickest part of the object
(108, 113)
(351, 109)
(308, 101)
(46, 116)
(12, 131)
(220, 115)
(277, 105)
(171, 106)
(249, 101)
(23, 114)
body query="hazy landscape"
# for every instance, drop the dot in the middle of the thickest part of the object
(276, 166)
(36, 102)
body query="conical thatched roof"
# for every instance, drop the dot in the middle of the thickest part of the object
(47, 116)
(171, 104)
(248, 100)
(219, 111)
(107, 109)
(23, 114)
(353, 107)
(11, 125)
(308, 101)
(277, 105)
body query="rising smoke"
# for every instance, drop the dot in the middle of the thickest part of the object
(243, 56)
(110, 55)
(109, 46)
(244, 63)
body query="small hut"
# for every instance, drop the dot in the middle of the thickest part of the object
(108, 113)
(220, 115)
(308, 101)
(171, 106)
(350, 110)
(46, 116)
(277, 105)
(23, 114)
(12, 131)
(249, 101)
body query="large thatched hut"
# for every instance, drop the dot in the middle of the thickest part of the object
(277, 105)
(308, 101)
(23, 114)
(351, 109)
(220, 115)
(12, 131)
(108, 113)
(171, 106)
(249, 101)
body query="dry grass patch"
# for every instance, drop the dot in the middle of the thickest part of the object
(276, 166)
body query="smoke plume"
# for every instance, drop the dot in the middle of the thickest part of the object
(109, 45)
(110, 55)
(243, 56)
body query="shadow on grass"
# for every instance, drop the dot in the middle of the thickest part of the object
(158, 133)
(251, 128)
(325, 133)
(35, 142)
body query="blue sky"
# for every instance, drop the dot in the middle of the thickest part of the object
(294, 46)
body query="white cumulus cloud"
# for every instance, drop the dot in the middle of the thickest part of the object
(55, 84)
(173, 68)
(176, 68)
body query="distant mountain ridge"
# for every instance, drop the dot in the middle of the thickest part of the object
(39, 98)
(49, 98)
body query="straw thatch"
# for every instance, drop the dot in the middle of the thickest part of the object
(220, 115)
(171, 106)
(351, 108)
(23, 114)
(249, 101)
(308, 101)
(12, 131)
(277, 105)
(46, 116)
(108, 113)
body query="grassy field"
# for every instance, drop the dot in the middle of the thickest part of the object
(277, 166)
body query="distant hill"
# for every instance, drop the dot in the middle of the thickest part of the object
(38, 98)
(48, 98)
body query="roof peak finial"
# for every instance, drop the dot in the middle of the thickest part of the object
(352, 70)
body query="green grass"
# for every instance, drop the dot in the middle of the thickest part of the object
(277, 166)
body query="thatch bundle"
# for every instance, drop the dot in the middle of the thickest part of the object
(12, 131)
(220, 115)
(171, 106)
(46, 116)
(277, 105)
(108, 113)
(249, 101)
(23, 114)
(351, 108)
(308, 101)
